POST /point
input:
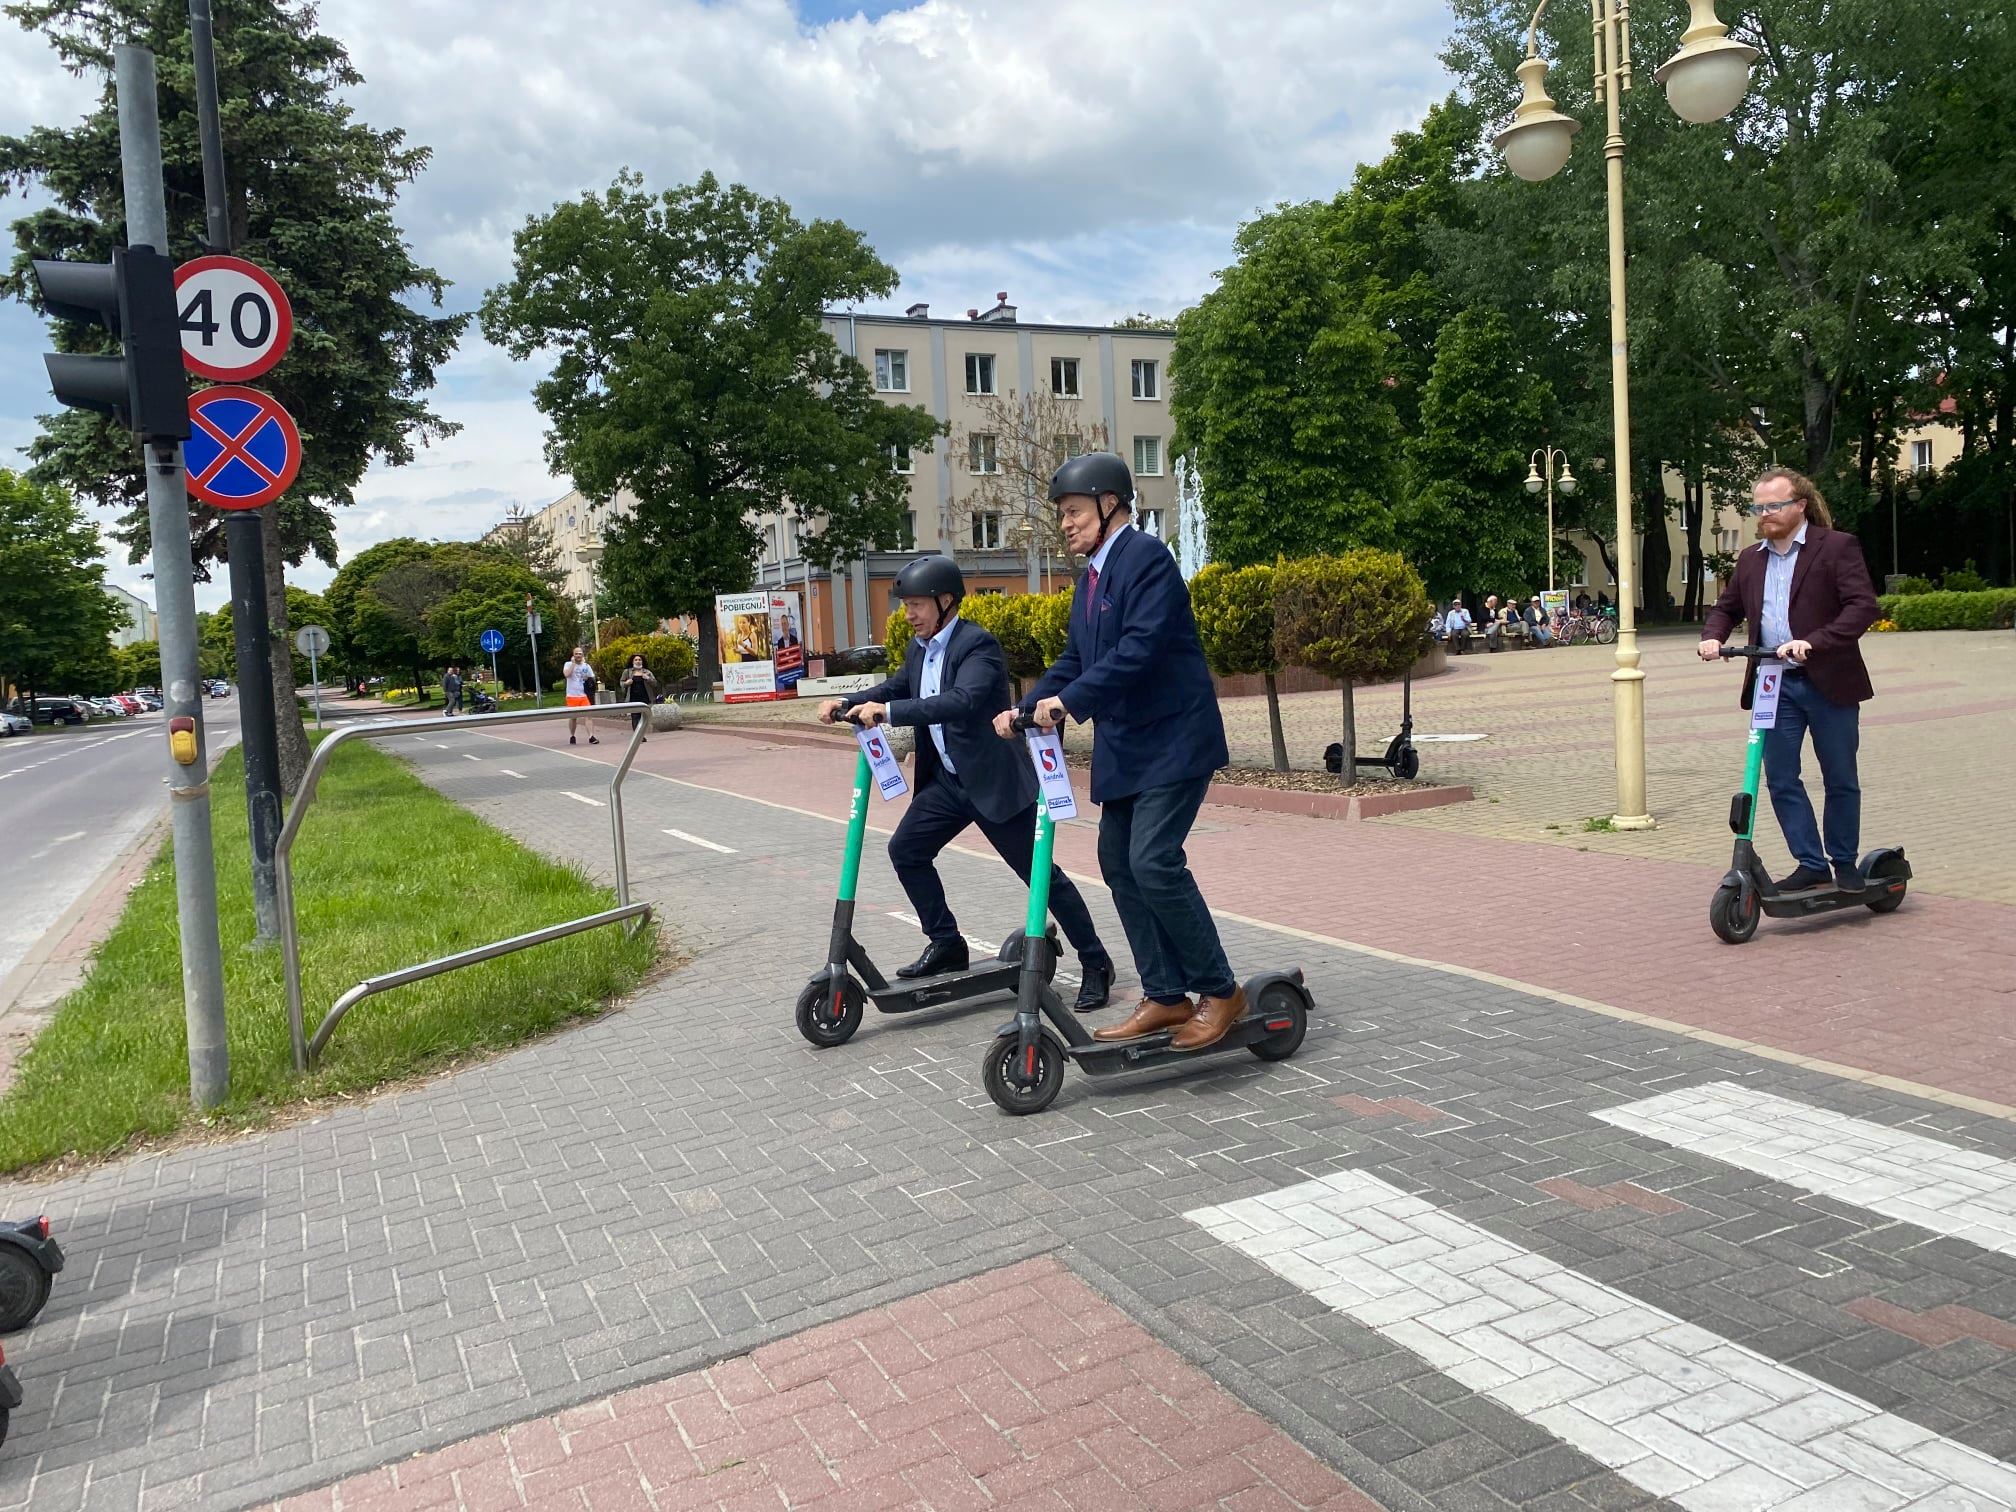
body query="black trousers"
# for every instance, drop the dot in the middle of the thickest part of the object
(938, 812)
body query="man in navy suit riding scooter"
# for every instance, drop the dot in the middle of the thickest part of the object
(1133, 664)
(953, 674)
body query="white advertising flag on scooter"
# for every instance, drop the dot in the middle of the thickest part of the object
(882, 762)
(1046, 750)
(1764, 697)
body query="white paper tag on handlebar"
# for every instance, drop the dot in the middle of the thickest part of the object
(1764, 697)
(1053, 777)
(881, 761)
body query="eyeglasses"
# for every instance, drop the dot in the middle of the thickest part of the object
(1759, 508)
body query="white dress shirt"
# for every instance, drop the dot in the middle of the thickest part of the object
(1774, 623)
(931, 681)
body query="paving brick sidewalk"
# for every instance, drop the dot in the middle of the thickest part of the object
(1020, 1388)
(687, 1181)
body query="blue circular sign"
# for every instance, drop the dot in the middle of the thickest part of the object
(243, 450)
(492, 641)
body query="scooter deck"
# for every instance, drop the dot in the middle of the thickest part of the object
(909, 994)
(1109, 1057)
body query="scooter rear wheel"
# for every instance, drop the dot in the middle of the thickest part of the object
(1732, 914)
(1879, 875)
(24, 1288)
(822, 1021)
(1281, 1002)
(997, 1075)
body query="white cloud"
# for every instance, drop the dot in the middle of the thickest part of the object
(1092, 159)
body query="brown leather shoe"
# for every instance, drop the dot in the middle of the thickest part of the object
(1149, 1018)
(1213, 1019)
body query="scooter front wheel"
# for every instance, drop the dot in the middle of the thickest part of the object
(1732, 914)
(1046, 1077)
(827, 1018)
(24, 1288)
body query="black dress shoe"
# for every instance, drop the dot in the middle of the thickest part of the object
(1803, 879)
(939, 956)
(1848, 876)
(1096, 987)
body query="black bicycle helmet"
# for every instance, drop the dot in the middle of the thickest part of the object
(929, 577)
(1094, 474)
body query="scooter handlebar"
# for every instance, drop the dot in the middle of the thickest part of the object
(1022, 723)
(1749, 653)
(853, 717)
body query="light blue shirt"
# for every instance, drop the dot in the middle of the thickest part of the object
(1774, 624)
(1098, 563)
(931, 680)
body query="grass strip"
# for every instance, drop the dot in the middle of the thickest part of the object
(387, 873)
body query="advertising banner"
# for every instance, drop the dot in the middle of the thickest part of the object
(787, 642)
(1046, 751)
(888, 776)
(762, 645)
(1554, 601)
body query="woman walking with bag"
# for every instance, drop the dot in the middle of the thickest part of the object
(640, 685)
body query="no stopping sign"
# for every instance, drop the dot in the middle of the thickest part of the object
(236, 321)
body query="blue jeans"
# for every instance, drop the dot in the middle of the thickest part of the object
(1836, 730)
(1175, 943)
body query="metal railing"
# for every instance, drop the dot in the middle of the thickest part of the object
(631, 915)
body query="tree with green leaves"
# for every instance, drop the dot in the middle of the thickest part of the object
(690, 367)
(54, 611)
(1235, 621)
(1361, 616)
(1278, 389)
(312, 191)
(1470, 523)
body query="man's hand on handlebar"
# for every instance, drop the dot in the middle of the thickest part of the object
(1795, 652)
(868, 715)
(1004, 724)
(1711, 650)
(1048, 714)
(829, 711)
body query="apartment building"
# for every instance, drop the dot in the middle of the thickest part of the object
(569, 523)
(1018, 398)
(137, 621)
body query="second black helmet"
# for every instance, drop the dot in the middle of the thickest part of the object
(1093, 474)
(930, 576)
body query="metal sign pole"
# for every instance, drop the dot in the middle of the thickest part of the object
(315, 677)
(168, 517)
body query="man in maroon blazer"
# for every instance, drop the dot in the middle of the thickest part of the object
(1804, 591)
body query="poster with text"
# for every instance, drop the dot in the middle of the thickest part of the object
(742, 621)
(787, 642)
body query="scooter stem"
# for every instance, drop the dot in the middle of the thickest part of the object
(1753, 766)
(857, 829)
(1039, 874)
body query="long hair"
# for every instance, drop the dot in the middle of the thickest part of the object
(1806, 491)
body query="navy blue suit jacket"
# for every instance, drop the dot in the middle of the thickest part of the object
(1134, 666)
(973, 688)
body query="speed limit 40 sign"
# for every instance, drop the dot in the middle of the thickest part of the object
(236, 321)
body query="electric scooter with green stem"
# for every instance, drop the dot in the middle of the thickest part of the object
(1023, 1068)
(1747, 891)
(832, 1004)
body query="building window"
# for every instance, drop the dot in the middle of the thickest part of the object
(1921, 456)
(980, 456)
(1151, 521)
(1069, 445)
(1064, 377)
(1147, 456)
(1146, 385)
(979, 372)
(906, 536)
(900, 459)
(892, 370)
(986, 530)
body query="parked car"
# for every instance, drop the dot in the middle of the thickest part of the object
(60, 711)
(106, 707)
(129, 703)
(15, 724)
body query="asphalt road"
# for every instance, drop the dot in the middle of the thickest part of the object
(71, 801)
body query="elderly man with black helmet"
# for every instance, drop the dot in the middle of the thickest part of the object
(1133, 665)
(954, 676)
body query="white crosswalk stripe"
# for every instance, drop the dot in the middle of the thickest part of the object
(1903, 1175)
(1671, 1407)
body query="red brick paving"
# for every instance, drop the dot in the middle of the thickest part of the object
(1927, 994)
(1022, 1388)
(1616, 1194)
(1939, 1326)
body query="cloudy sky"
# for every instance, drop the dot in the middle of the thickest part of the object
(1091, 158)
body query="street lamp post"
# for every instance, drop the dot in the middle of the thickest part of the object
(1704, 81)
(588, 556)
(1545, 458)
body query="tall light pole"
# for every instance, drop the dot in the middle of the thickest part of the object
(1704, 81)
(1545, 458)
(589, 555)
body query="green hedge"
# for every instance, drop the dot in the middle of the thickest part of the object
(1994, 609)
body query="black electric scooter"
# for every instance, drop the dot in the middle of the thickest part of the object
(1747, 891)
(1023, 1068)
(830, 1008)
(29, 1261)
(1401, 760)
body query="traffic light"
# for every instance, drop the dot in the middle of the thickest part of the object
(133, 296)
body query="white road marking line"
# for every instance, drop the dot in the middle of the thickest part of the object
(51, 846)
(1903, 1175)
(1671, 1407)
(470, 756)
(509, 773)
(444, 745)
(592, 802)
(703, 844)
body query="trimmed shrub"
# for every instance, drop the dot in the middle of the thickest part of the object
(1914, 585)
(670, 657)
(1235, 621)
(1359, 615)
(1030, 626)
(1993, 609)
(1964, 580)
(897, 637)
